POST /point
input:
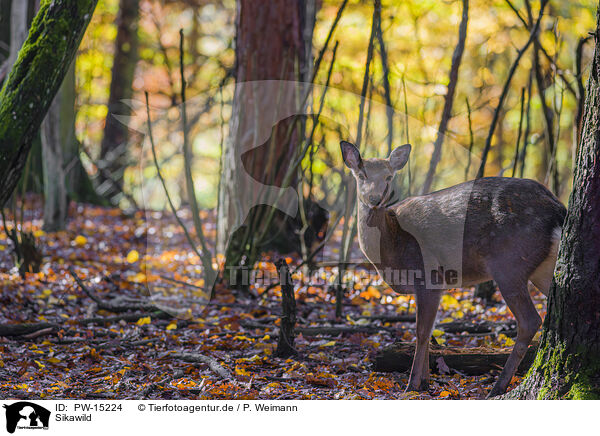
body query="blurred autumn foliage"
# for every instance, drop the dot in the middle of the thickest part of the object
(96, 334)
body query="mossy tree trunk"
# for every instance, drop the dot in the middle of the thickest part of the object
(35, 79)
(567, 364)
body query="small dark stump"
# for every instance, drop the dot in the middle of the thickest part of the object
(285, 342)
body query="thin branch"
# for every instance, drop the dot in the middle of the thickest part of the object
(189, 181)
(471, 141)
(365, 84)
(212, 363)
(164, 185)
(513, 68)
(516, 159)
(527, 124)
(449, 99)
(580, 93)
(386, 77)
(329, 35)
(407, 134)
(543, 50)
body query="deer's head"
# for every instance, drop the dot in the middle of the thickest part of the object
(374, 176)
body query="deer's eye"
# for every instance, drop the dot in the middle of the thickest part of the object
(388, 178)
(361, 176)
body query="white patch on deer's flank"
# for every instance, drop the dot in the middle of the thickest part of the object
(542, 276)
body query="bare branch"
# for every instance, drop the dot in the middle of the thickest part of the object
(513, 68)
(449, 99)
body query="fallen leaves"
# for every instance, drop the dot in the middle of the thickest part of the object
(133, 256)
(134, 359)
(80, 241)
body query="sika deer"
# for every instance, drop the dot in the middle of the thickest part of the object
(505, 229)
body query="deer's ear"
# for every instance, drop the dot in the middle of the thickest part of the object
(351, 156)
(399, 156)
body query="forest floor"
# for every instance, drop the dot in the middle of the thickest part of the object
(91, 352)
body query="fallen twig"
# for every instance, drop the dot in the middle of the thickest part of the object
(27, 330)
(472, 361)
(213, 364)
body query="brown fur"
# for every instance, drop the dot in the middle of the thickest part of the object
(491, 228)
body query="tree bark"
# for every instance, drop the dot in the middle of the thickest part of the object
(5, 8)
(567, 363)
(35, 79)
(272, 43)
(113, 149)
(471, 361)
(285, 342)
(18, 29)
(58, 138)
(64, 175)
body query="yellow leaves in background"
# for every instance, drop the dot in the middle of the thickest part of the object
(371, 292)
(133, 256)
(171, 326)
(241, 371)
(80, 240)
(458, 314)
(508, 342)
(437, 333)
(143, 321)
(139, 278)
(449, 302)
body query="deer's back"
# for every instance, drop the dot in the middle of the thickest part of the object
(481, 224)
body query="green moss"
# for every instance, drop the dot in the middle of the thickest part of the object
(583, 391)
(543, 393)
(35, 78)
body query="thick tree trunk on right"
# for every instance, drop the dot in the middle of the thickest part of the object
(113, 150)
(567, 364)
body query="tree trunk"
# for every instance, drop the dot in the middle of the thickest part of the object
(64, 175)
(58, 138)
(35, 79)
(272, 43)
(5, 8)
(567, 364)
(18, 29)
(113, 150)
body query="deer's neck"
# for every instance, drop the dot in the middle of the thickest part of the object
(371, 232)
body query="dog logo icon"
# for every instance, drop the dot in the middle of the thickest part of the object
(26, 415)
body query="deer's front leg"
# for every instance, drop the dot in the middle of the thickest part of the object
(427, 306)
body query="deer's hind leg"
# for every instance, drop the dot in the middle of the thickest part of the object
(518, 300)
(427, 306)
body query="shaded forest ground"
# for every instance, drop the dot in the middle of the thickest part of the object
(94, 354)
